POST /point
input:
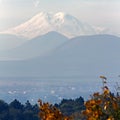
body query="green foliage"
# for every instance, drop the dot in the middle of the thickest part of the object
(116, 114)
(16, 105)
(17, 111)
(4, 108)
(69, 106)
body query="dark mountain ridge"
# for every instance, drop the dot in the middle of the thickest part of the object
(38, 46)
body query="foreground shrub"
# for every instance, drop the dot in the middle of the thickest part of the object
(103, 106)
(49, 112)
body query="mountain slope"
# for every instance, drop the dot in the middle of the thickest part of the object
(98, 54)
(8, 41)
(38, 46)
(86, 55)
(46, 22)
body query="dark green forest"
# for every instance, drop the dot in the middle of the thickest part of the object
(18, 111)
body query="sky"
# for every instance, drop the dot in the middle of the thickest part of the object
(101, 13)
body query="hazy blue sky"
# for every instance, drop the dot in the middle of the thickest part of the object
(105, 13)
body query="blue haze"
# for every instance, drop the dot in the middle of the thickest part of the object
(51, 90)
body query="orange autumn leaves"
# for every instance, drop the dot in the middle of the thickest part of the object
(49, 112)
(93, 110)
(103, 106)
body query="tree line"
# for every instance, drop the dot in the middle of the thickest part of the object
(18, 111)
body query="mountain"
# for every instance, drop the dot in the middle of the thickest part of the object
(8, 41)
(43, 23)
(39, 46)
(85, 55)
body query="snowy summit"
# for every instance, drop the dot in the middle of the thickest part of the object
(43, 23)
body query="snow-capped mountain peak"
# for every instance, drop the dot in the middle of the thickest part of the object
(59, 16)
(43, 23)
